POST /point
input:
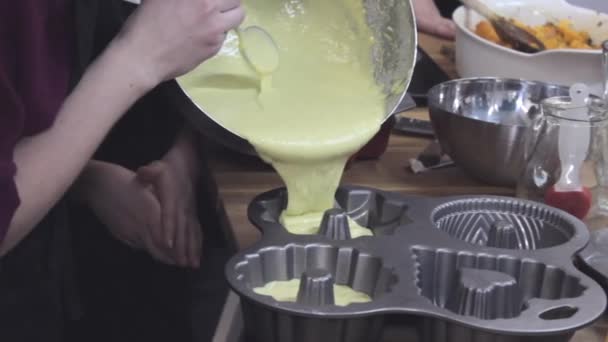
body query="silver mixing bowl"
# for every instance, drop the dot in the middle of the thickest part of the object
(481, 123)
(394, 55)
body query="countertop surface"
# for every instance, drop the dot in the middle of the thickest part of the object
(240, 178)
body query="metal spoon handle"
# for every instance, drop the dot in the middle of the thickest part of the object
(605, 68)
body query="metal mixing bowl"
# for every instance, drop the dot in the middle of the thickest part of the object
(394, 55)
(481, 123)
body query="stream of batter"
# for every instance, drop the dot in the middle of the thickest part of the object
(313, 112)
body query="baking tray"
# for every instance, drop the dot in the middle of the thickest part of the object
(594, 258)
(472, 268)
(230, 328)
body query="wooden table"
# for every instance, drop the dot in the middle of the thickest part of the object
(239, 179)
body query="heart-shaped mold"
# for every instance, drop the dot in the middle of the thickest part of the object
(485, 294)
(489, 287)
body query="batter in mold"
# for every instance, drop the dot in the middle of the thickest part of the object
(287, 291)
(318, 107)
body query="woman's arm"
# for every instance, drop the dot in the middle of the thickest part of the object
(161, 40)
(430, 21)
(48, 163)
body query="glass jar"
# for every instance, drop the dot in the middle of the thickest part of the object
(543, 170)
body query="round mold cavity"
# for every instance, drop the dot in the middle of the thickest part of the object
(372, 209)
(318, 267)
(503, 223)
(490, 287)
(369, 208)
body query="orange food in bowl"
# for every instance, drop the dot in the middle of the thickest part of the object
(560, 35)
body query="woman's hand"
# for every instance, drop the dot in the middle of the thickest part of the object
(430, 21)
(166, 39)
(174, 181)
(180, 230)
(126, 206)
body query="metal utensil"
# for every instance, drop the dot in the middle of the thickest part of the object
(481, 123)
(431, 158)
(253, 35)
(259, 49)
(394, 54)
(519, 38)
(411, 126)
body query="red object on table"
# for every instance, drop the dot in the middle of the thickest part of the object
(576, 203)
(377, 146)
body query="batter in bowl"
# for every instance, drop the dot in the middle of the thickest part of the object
(309, 115)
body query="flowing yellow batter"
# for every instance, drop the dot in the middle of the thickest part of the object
(308, 224)
(318, 107)
(287, 291)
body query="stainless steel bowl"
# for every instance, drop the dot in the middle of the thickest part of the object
(394, 56)
(481, 123)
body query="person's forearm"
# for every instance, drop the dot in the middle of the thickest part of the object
(185, 151)
(49, 163)
(84, 187)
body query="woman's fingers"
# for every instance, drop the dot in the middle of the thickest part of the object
(182, 238)
(445, 28)
(227, 5)
(150, 172)
(156, 175)
(195, 243)
(156, 252)
(232, 18)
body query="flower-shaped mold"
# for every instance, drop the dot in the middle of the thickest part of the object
(346, 266)
(318, 267)
(377, 211)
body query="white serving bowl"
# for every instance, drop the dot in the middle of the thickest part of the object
(477, 57)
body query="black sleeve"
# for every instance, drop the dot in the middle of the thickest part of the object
(447, 7)
(149, 129)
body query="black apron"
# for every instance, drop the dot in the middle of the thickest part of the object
(447, 7)
(37, 293)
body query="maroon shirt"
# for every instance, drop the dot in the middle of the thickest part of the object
(35, 51)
